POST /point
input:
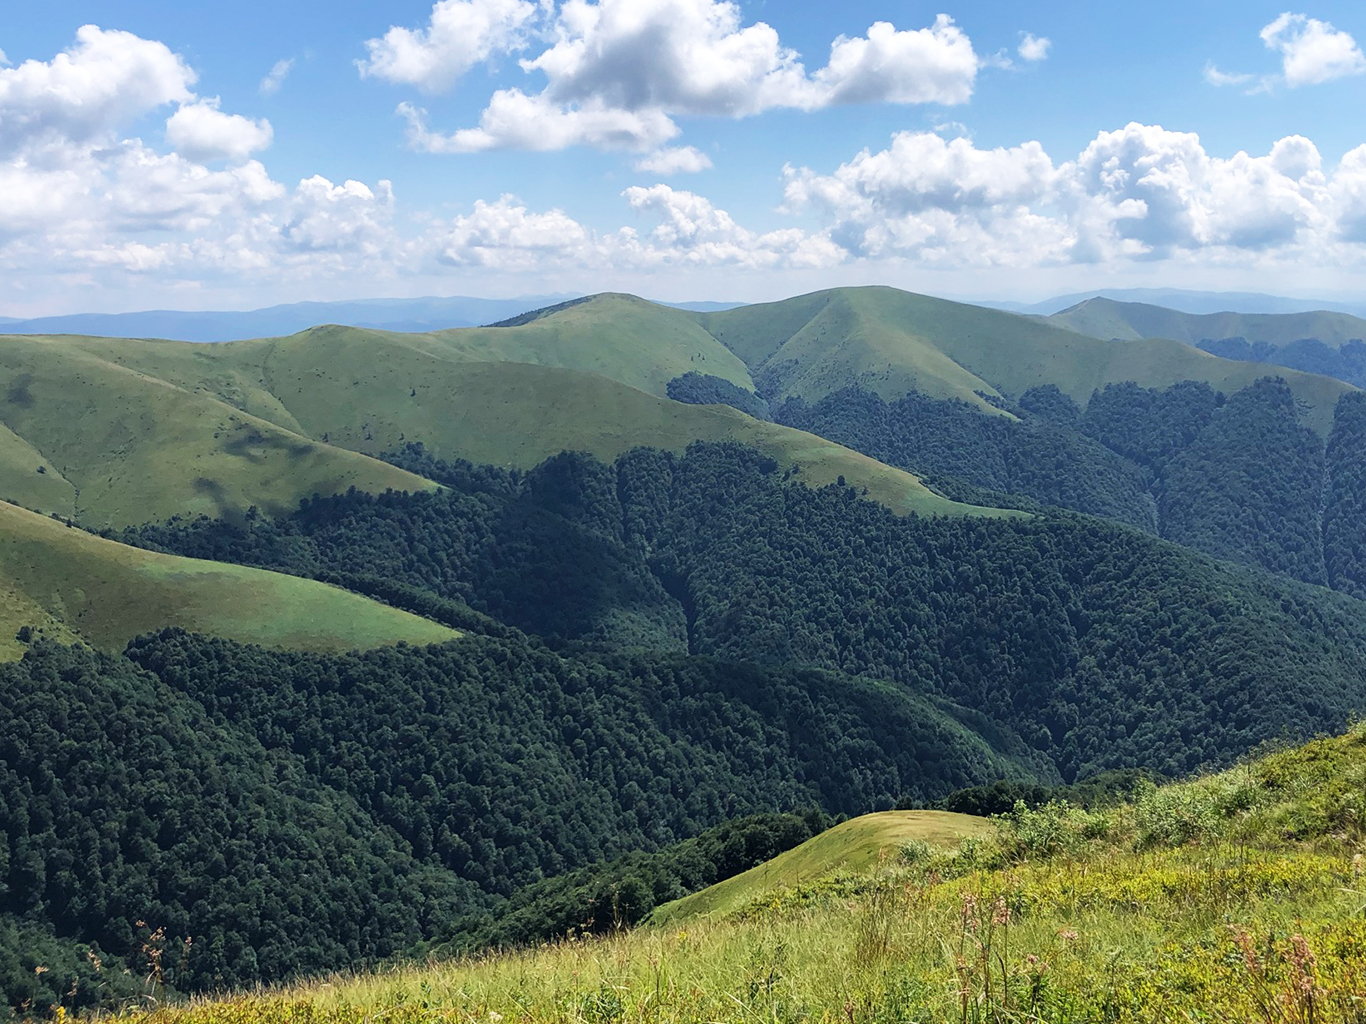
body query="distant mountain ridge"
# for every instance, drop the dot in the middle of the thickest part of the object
(1185, 301)
(403, 315)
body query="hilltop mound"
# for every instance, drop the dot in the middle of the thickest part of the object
(71, 585)
(891, 342)
(857, 846)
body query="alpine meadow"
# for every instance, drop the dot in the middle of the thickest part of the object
(408, 616)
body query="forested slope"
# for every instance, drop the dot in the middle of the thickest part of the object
(1100, 645)
(302, 813)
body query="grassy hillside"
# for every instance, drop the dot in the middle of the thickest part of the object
(71, 585)
(367, 392)
(890, 342)
(134, 447)
(1235, 897)
(855, 846)
(1129, 321)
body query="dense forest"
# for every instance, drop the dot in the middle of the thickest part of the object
(1101, 646)
(1238, 477)
(705, 389)
(1347, 362)
(296, 813)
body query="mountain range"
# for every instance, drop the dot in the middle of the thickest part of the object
(460, 612)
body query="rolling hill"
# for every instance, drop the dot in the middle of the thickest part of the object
(1131, 321)
(890, 342)
(1332, 344)
(215, 428)
(853, 846)
(127, 447)
(70, 585)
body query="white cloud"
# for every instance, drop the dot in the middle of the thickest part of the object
(88, 92)
(1220, 79)
(514, 120)
(1034, 48)
(928, 65)
(619, 71)
(679, 160)
(691, 231)
(202, 132)
(506, 235)
(1141, 192)
(461, 34)
(4, 61)
(275, 78)
(1312, 51)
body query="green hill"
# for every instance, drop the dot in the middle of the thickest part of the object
(1130, 321)
(210, 428)
(890, 342)
(71, 585)
(854, 846)
(121, 446)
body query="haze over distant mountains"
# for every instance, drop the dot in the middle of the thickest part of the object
(408, 315)
(437, 313)
(1184, 301)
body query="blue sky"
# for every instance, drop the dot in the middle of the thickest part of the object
(682, 149)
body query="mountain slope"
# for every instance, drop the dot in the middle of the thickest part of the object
(857, 845)
(368, 392)
(1130, 321)
(891, 342)
(70, 584)
(137, 448)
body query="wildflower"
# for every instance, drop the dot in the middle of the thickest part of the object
(968, 911)
(1067, 935)
(1244, 943)
(1000, 912)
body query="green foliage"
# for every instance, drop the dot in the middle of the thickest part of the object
(1079, 645)
(1250, 487)
(122, 801)
(623, 892)
(704, 389)
(1039, 458)
(1344, 521)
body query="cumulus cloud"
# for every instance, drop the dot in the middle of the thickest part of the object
(678, 160)
(78, 197)
(200, 131)
(276, 76)
(100, 85)
(1312, 51)
(461, 34)
(1034, 48)
(618, 72)
(1141, 192)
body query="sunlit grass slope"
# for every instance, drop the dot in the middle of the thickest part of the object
(854, 846)
(135, 448)
(1128, 321)
(71, 584)
(369, 393)
(624, 338)
(891, 342)
(1234, 898)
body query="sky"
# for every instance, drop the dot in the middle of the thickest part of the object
(214, 156)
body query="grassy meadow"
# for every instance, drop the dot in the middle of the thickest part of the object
(69, 585)
(1233, 897)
